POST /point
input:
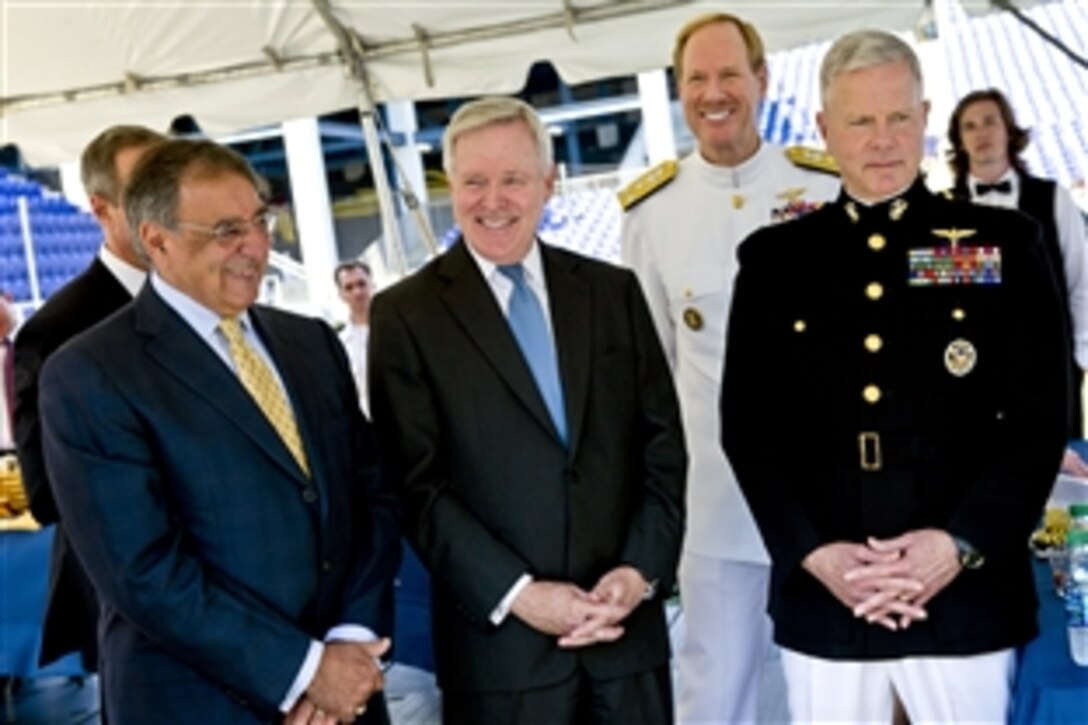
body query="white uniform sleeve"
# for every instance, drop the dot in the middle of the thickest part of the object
(637, 253)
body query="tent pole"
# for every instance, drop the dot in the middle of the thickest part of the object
(392, 248)
(352, 53)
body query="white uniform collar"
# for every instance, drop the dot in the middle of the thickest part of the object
(731, 177)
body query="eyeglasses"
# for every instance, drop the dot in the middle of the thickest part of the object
(229, 233)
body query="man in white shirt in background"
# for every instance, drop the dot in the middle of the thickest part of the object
(356, 286)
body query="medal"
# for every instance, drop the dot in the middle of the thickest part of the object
(953, 265)
(960, 357)
(693, 319)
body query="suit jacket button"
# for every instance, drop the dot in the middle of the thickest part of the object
(326, 566)
(309, 494)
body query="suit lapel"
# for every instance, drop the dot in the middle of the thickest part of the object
(470, 301)
(176, 348)
(570, 298)
(110, 294)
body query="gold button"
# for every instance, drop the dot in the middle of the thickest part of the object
(873, 343)
(799, 326)
(874, 290)
(871, 393)
(958, 314)
(877, 242)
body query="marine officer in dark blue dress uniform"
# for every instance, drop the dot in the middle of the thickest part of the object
(893, 406)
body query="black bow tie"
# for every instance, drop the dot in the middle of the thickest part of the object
(1002, 187)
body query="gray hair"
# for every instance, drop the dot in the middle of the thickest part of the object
(98, 163)
(864, 49)
(152, 192)
(492, 111)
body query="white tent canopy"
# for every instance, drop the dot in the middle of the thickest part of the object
(71, 67)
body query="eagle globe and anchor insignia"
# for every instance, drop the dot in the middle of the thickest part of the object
(960, 357)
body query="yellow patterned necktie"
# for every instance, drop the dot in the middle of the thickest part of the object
(258, 379)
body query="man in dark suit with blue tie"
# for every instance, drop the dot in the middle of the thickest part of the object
(217, 477)
(526, 413)
(108, 283)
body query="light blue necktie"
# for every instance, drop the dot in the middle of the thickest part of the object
(527, 322)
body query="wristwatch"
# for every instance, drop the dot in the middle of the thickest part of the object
(650, 591)
(969, 557)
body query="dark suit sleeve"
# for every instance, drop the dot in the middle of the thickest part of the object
(657, 528)
(751, 413)
(118, 513)
(1015, 476)
(368, 599)
(32, 347)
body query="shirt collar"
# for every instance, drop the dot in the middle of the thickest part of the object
(1009, 176)
(203, 320)
(533, 264)
(130, 276)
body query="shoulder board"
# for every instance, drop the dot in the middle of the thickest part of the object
(644, 186)
(810, 158)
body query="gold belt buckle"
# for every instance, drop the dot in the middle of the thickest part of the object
(869, 448)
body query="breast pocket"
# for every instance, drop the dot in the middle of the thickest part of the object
(699, 307)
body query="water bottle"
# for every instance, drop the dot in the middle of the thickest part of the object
(1076, 595)
(1078, 516)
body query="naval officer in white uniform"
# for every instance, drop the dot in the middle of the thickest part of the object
(683, 223)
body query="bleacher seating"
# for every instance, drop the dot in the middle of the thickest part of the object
(63, 238)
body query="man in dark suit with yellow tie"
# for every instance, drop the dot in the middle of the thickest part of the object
(217, 477)
(527, 416)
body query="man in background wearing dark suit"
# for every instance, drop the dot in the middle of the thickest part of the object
(527, 415)
(111, 281)
(216, 476)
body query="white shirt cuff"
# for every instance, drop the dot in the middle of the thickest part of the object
(499, 613)
(304, 677)
(306, 673)
(351, 633)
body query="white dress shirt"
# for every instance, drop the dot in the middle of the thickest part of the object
(503, 287)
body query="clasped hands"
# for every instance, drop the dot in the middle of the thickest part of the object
(347, 677)
(577, 617)
(887, 581)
